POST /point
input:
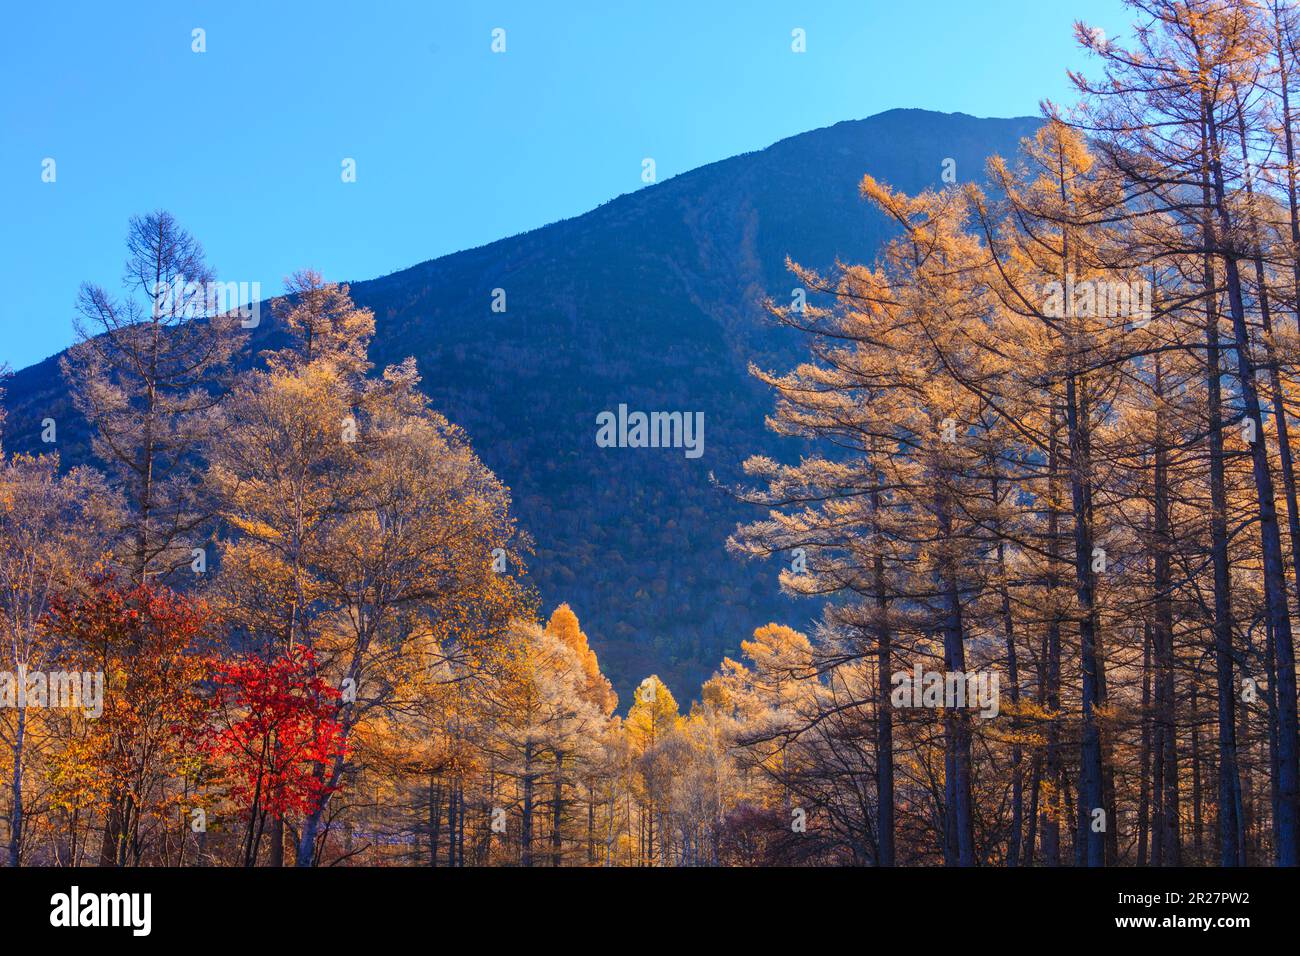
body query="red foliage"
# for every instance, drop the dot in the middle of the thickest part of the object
(150, 643)
(279, 727)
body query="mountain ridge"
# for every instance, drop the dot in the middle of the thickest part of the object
(897, 111)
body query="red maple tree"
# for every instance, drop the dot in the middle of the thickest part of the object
(276, 727)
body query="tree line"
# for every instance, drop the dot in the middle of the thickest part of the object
(1055, 420)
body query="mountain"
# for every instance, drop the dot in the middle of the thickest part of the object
(653, 301)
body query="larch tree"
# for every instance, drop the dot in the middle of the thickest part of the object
(54, 533)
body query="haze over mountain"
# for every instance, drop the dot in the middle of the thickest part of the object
(652, 300)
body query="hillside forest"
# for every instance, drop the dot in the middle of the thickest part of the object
(1046, 504)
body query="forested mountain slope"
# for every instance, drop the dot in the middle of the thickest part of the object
(652, 300)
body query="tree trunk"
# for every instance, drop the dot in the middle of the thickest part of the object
(1170, 844)
(885, 855)
(1090, 791)
(557, 811)
(1053, 811)
(957, 731)
(16, 789)
(1144, 752)
(526, 822)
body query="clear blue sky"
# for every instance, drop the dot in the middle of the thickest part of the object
(455, 146)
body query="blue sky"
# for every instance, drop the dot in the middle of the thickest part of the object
(455, 146)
